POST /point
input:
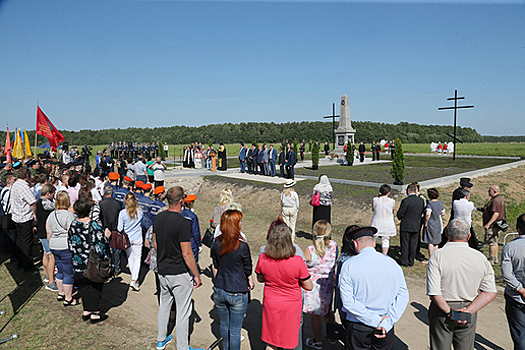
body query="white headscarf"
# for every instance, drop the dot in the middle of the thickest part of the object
(323, 185)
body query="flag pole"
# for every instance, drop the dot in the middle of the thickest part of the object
(36, 135)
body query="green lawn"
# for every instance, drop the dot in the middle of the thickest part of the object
(416, 169)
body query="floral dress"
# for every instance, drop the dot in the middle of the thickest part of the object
(80, 238)
(322, 272)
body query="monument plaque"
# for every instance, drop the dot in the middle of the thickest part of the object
(344, 132)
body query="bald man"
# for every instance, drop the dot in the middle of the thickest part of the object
(492, 212)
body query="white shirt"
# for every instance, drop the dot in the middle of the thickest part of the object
(158, 172)
(463, 209)
(290, 201)
(139, 168)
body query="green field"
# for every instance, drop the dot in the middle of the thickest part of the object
(513, 149)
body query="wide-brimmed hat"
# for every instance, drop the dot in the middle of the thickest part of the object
(289, 183)
(465, 182)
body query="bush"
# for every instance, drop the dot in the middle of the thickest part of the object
(295, 148)
(162, 154)
(398, 163)
(349, 153)
(315, 154)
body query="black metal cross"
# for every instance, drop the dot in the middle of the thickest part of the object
(455, 108)
(333, 116)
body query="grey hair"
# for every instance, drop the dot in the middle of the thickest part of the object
(464, 192)
(108, 191)
(411, 188)
(458, 230)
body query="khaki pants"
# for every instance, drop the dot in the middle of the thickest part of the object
(290, 218)
(444, 332)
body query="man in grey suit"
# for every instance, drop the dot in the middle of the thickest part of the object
(409, 213)
(266, 159)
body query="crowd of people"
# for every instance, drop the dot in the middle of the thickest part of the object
(262, 160)
(77, 215)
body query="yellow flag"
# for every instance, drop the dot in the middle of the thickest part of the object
(27, 145)
(18, 150)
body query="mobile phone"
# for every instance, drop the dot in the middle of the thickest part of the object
(461, 316)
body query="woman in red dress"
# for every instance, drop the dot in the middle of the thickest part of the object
(283, 274)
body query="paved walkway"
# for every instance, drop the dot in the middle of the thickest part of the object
(439, 182)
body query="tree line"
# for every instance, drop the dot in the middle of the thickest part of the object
(366, 131)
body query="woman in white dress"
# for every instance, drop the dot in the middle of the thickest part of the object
(383, 219)
(290, 205)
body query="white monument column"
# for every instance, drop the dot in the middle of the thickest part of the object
(344, 132)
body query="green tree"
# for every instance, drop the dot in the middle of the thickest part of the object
(162, 154)
(398, 163)
(315, 155)
(349, 153)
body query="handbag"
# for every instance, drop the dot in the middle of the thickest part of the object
(207, 240)
(120, 240)
(97, 270)
(316, 199)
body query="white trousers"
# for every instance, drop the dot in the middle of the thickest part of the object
(134, 254)
(290, 218)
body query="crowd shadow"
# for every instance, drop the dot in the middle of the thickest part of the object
(304, 234)
(421, 312)
(114, 295)
(482, 343)
(28, 283)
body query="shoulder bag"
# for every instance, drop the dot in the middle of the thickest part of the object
(120, 240)
(207, 240)
(316, 199)
(97, 270)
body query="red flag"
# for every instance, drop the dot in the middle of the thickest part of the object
(45, 128)
(8, 147)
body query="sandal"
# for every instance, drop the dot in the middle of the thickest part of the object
(72, 302)
(61, 297)
(313, 344)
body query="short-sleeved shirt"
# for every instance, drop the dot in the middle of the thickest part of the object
(150, 171)
(59, 222)
(158, 172)
(282, 277)
(139, 168)
(171, 228)
(21, 200)
(463, 209)
(458, 273)
(496, 205)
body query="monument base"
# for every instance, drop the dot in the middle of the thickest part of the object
(342, 139)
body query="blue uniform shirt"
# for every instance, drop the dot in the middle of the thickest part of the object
(145, 204)
(120, 194)
(372, 285)
(195, 231)
(155, 208)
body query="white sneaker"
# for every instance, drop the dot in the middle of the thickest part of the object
(135, 286)
(46, 279)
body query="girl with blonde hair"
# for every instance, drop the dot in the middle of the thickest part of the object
(321, 259)
(130, 221)
(226, 198)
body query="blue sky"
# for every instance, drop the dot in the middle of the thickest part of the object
(110, 64)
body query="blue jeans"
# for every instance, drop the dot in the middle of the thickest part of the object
(272, 167)
(231, 307)
(142, 178)
(516, 318)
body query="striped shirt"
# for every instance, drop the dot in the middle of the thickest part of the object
(21, 200)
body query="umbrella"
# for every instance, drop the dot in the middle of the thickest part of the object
(45, 145)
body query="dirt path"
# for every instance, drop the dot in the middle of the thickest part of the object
(411, 330)
(140, 308)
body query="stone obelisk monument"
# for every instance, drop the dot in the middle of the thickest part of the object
(344, 132)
